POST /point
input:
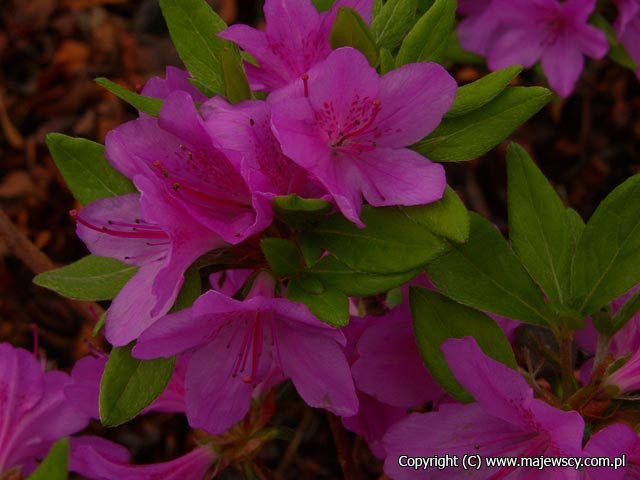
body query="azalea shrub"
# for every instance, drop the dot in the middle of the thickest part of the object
(279, 212)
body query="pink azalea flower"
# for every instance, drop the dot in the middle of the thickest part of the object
(239, 345)
(84, 390)
(389, 367)
(175, 79)
(557, 33)
(506, 420)
(628, 28)
(295, 39)
(150, 231)
(373, 420)
(99, 459)
(245, 128)
(351, 128)
(482, 18)
(33, 410)
(180, 155)
(614, 441)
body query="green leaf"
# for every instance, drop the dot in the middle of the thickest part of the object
(387, 62)
(55, 464)
(477, 94)
(349, 30)
(90, 278)
(436, 319)
(149, 105)
(338, 276)
(283, 256)
(129, 385)
(538, 226)
(328, 306)
(485, 274)
(390, 243)
(236, 85)
(607, 260)
(474, 134)
(626, 313)
(194, 26)
(323, 5)
(447, 218)
(428, 39)
(190, 291)
(85, 169)
(299, 212)
(393, 22)
(97, 328)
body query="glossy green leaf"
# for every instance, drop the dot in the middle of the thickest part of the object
(350, 30)
(323, 5)
(447, 217)
(329, 306)
(283, 256)
(477, 94)
(338, 276)
(428, 39)
(190, 291)
(390, 243)
(85, 169)
(387, 62)
(299, 212)
(469, 136)
(55, 464)
(194, 26)
(129, 385)
(149, 105)
(393, 22)
(538, 227)
(485, 274)
(607, 260)
(90, 278)
(436, 319)
(236, 85)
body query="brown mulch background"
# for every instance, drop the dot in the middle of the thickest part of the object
(50, 51)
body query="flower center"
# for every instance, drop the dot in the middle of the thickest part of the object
(250, 351)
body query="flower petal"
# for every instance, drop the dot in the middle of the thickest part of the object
(400, 177)
(414, 99)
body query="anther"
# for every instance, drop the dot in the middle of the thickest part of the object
(305, 80)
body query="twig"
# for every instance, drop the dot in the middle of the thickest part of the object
(293, 445)
(36, 261)
(343, 447)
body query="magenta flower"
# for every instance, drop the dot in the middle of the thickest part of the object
(295, 39)
(482, 18)
(628, 28)
(245, 128)
(179, 154)
(33, 410)
(557, 33)
(239, 346)
(506, 419)
(175, 79)
(614, 441)
(372, 421)
(389, 367)
(150, 231)
(96, 458)
(84, 390)
(351, 129)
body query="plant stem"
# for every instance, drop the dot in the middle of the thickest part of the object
(343, 447)
(565, 342)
